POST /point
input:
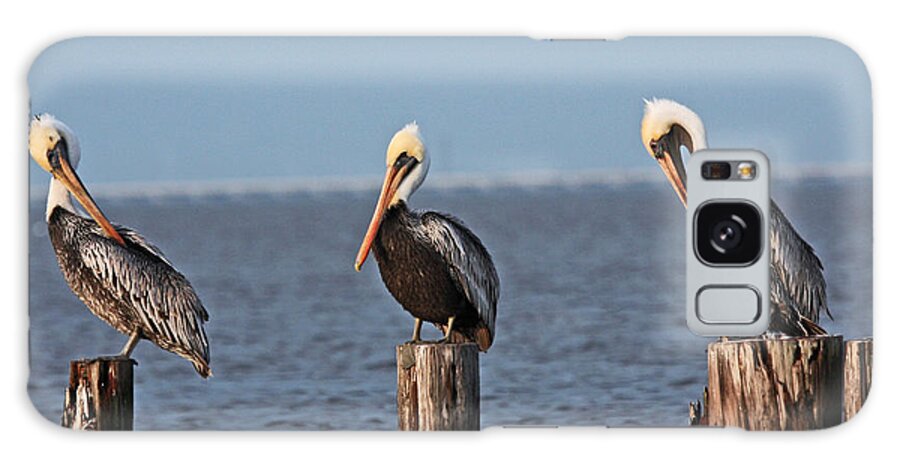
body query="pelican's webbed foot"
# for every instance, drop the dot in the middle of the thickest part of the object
(449, 331)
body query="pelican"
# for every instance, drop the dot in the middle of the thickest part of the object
(432, 264)
(797, 288)
(121, 277)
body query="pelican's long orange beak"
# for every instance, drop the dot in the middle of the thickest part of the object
(674, 171)
(70, 179)
(392, 179)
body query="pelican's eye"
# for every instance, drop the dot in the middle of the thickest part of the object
(401, 160)
(654, 147)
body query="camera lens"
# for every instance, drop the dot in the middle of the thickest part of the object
(728, 233)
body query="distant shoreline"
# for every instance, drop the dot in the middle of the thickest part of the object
(530, 179)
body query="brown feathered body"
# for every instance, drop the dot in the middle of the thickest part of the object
(131, 287)
(436, 268)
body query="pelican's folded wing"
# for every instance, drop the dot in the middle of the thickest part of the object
(159, 296)
(470, 263)
(795, 262)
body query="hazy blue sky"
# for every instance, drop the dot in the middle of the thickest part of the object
(149, 109)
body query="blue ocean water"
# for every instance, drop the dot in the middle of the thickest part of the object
(590, 326)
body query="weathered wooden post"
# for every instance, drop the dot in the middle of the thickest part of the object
(857, 375)
(776, 383)
(100, 395)
(438, 387)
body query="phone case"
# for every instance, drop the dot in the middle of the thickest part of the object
(519, 207)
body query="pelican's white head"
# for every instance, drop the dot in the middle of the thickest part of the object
(407, 149)
(407, 166)
(47, 134)
(668, 126)
(54, 147)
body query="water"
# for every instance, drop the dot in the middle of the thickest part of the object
(590, 326)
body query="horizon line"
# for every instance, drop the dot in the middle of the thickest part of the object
(448, 181)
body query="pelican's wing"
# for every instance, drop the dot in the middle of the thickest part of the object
(786, 316)
(470, 263)
(159, 296)
(795, 263)
(139, 241)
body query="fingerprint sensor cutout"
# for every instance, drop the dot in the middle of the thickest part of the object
(728, 305)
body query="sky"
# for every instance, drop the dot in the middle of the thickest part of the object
(191, 109)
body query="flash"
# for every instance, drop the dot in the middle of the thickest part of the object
(746, 170)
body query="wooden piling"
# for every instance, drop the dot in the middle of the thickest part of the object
(776, 383)
(857, 375)
(100, 395)
(438, 387)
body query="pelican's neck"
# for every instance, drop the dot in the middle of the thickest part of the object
(699, 141)
(412, 182)
(694, 127)
(58, 196)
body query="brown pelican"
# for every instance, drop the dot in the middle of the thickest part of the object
(121, 277)
(432, 264)
(797, 292)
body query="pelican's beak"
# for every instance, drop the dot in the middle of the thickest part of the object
(668, 155)
(63, 172)
(392, 178)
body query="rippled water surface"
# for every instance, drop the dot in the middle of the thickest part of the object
(590, 330)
